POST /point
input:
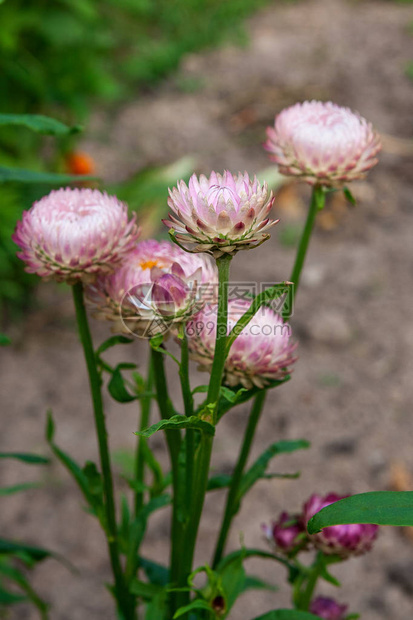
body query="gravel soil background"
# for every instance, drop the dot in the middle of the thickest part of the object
(352, 391)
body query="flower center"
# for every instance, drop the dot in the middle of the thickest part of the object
(148, 264)
(215, 192)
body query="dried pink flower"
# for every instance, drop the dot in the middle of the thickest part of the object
(323, 143)
(220, 214)
(328, 609)
(287, 534)
(343, 540)
(74, 234)
(262, 352)
(157, 284)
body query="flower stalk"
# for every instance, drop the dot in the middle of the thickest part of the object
(124, 599)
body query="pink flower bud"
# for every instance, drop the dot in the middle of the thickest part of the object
(328, 609)
(287, 534)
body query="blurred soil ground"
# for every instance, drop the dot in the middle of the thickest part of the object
(352, 390)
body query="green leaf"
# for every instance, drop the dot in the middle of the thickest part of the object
(111, 342)
(232, 581)
(10, 598)
(19, 175)
(17, 488)
(264, 298)
(116, 386)
(257, 470)
(221, 481)
(37, 554)
(347, 193)
(195, 605)
(230, 398)
(4, 340)
(32, 459)
(14, 574)
(137, 531)
(83, 477)
(177, 422)
(39, 124)
(156, 609)
(287, 614)
(256, 583)
(144, 590)
(156, 573)
(378, 507)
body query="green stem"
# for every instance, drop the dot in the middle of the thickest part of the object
(145, 404)
(204, 449)
(306, 595)
(317, 203)
(124, 600)
(173, 440)
(189, 410)
(232, 504)
(217, 369)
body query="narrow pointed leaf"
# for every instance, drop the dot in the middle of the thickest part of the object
(17, 488)
(287, 614)
(195, 605)
(378, 507)
(257, 470)
(39, 123)
(177, 422)
(31, 459)
(20, 175)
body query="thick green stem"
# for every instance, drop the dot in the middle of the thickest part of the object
(317, 203)
(232, 504)
(145, 404)
(223, 265)
(204, 449)
(124, 600)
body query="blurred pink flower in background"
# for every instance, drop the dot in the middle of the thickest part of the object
(287, 534)
(220, 214)
(322, 143)
(157, 282)
(74, 234)
(263, 351)
(328, 609)
(342, 540)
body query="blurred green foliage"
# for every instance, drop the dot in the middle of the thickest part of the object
(57, 55)
(60, 57)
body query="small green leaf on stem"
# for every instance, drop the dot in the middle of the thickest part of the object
(347, 193)
(177, 422)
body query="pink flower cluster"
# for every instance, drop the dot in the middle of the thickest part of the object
(322, 143)
(263, 351)
(287, 533)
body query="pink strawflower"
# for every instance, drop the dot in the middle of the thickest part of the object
(323, 143)
(287, 534)
(262, 353)
(328, 609)
(74, 234)
(220, 214)
(156, 285)
(343, 540)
